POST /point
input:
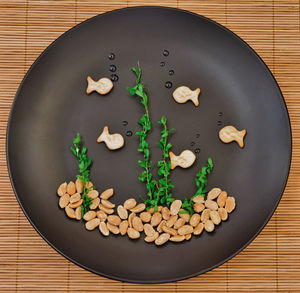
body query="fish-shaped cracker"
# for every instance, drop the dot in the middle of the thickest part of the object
(183, 93)
(112, 141)
(229, 133)
(103, 86)
(185, 160)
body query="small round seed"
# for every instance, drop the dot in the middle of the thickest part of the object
(95, 203)
(106, 210)
(209, 226)
(93, 194)
(223, 214)
(102, 216)
(165, 213)
(137, 224)
(76, 204)
(78, 213)
(71, 188)
(114, 220)
(186, 229)
(122, 212)
(139, 208)
(103, 229)
(214, 193)
(198, 229)
(210, 204)
(70, 212)
(123, 227)
(92, 224)
(175, 207)
(75, 197)
(179, 223)
(106, 194)
(156, 219)
(205, 215)
(222, 199)
(79, 185)
(177, 238)
(133, 234)
(230, 204)
(172, 221)
(149, 230)
(62, 189)
(89, 215)
(162, 239)
(129, 203)
(112, 228)
(214, 215)
(64, 200)
(145, 217)
(152, 237)
(195, 220)
(198, 207)
(107, 204)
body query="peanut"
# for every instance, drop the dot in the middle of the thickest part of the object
(179, 223)
(214, 215)
(149, 230)
(162, 239)
(175, 207)
(198, 207)
(133, 234)
(168, 230)
(79, 185)
(222, 199)
(198, 229)
(130, 218)
(177, 238)
(223, 214)
(195, 220)
(114, 220)
(78, 213)
(129, 203)
(184, 216)
(106, 194)
(71, 188)
(186, 229)
(205, 215)
(160, 226)
(123, 227)
(102, 216)
(70, 212)
(89, 215)
(64, 200)
(62, 189)
(151, 238)
(165, 213)
(76, 204)
(230, 204)
(210, 204)
(107, 204)
(188, 236)
(214, 193)
(156, 219)
(95, 203)
(103, 229)
(145, 217)
(198, 199)
(75, 197)
(172, 221)
(139, 208)
(137, 224)
(92, 224)
(106, 210)
(93, 194)
(209, 226)
(112, 228)
(122, 212)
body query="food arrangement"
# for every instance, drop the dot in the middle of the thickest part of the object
(160, 216)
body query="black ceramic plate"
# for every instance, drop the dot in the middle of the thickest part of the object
(51, 107)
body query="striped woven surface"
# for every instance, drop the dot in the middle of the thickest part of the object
(271, 263)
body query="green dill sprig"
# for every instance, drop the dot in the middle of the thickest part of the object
(201, 182)
(146, 176)
(164, 165)
(79, 152)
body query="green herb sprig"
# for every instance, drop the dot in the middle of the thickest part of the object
(164, 165)
(80, 152)
(146, 176)
(201, 182)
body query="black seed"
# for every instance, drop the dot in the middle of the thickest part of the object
(112, 68)
(114, 77)
(168, 84)
(111, 56)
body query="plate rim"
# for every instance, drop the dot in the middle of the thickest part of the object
(77, 26)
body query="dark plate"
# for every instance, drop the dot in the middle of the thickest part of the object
(51, 107)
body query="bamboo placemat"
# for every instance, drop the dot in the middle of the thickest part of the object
(269, 264)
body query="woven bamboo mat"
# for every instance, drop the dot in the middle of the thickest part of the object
(270, 264)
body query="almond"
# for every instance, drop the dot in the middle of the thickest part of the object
(114, 220)
(209, 226)
(122, 212)
(62, 189)
(223, 214)
(175, 207)
(162, 239)
(214, 193)
(179, 223)
(71, 188)
(168, 230)
(107, 204)
(64, 200)
(106, 194)
(129, 203)
(139, 208)
(230, 204)
(106, 210)
(195, 220)
(103, 229)
(177, 238)
(79, 185)
(102, 216)
(222, 199)
(89, 215)
(93, 194)
(133, 234)
(76, 204)
(198, 229)
(186, 229)
(149, 230)
(95, 203)
(172, 221)
(78, 213)
(70, 212)
(198, 199)
(92, 224)
(123, 227)
(151, 238)
(75, 197)
(145, 217)
(156, 219)
(205, 215)
(214, 215)
(137, 224)
(198, 207)
(112, 228)
(210, 204)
